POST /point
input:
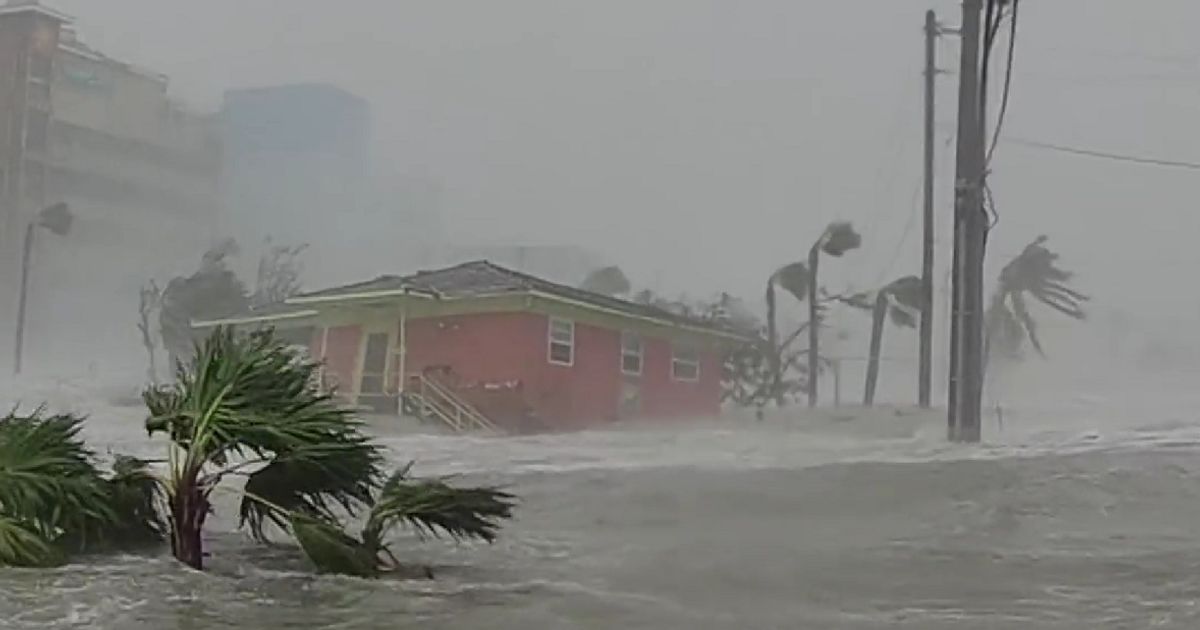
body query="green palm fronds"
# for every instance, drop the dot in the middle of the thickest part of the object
(332, 550)
(22, 546)
(431, 507)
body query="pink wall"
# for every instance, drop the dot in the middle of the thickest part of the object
(583, 394)
(501, 347)
(665, 397)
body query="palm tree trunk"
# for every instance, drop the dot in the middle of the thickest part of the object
(814, 328)
(774, 351)
(878, 317)
(189, 508)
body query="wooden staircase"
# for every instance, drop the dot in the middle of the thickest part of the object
(427, 398)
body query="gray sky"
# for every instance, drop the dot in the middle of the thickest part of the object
(703, 142)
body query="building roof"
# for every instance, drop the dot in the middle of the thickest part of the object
(261, 314)
(32, 6)
(484, 279)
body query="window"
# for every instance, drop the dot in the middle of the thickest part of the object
(562, 342)
(40, 65)
(685, 364)
(37, 129)
(374, 364)
(631, 354)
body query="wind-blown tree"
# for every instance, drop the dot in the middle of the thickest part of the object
(900, 301)
(279, 273)
(246, 403)
(796, 280)
(837, 239)
(1034, 273)
(149, 301)
(55, 502)
(213, 291)
(607, 281)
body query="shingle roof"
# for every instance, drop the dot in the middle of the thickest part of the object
(480, 278)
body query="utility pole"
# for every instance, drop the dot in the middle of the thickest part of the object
(925, 371)
(966, 336)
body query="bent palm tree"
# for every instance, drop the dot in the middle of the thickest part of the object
(1032, 273)
(247, 403)
(837, 239)
(795, 279)
(901, 301)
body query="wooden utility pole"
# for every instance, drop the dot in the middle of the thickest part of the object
(925, 370)
(966, 336)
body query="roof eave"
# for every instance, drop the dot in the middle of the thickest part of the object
(663, 321)
(253, 319)
(357, 297)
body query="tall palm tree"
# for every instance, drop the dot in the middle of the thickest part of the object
(1034, 273)
(795, 279)
(246, 403)
(837, 239)
(899, 300)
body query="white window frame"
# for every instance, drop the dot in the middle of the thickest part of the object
(676, 360)
(551, 341)
(641, 354)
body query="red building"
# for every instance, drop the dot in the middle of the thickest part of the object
(481, 345)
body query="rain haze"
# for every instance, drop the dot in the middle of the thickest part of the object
(699, 146)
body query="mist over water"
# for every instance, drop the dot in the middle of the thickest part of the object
(1076, 514)
(699, 145)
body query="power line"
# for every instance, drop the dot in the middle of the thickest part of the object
(1119, 157)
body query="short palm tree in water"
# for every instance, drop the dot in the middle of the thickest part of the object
(244, 407)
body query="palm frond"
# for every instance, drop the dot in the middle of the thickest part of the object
(22, 546)
(793, 278)
(135, 495)
(431, 507)
(314, 481)
(839, 238)
(252, 396)
(332, 550)
(47, 480)
(1034, 273)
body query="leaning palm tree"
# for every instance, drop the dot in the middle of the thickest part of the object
(795, 279)
(837, 239)
(1034, 273)
(246, 403)
(900, 300)
(55, 502)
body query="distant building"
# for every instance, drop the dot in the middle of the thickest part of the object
(477, 345)
(300, 168)
(140, 173)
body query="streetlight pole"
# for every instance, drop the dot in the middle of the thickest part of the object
(925, 369)
(56, 218)
(18, 348)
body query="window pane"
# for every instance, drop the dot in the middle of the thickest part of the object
(631, 344)
(685, 370)
(560, 353)
(40, 65)
(562, 331)
(631, 364)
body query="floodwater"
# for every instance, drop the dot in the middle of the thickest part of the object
(1081, 512)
